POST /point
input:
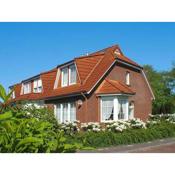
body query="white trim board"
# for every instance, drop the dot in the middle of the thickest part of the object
(101, 77)
(148, 84)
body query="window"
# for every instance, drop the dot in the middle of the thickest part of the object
(131, 109)
(68, 75)
(37, 86)
(72, 75)
(107, 108)
(26, 88)
(127, 78)
(114, 108)
(13, 95)
(72, 112)
(65, 77)
(66, 112)
(122, 111)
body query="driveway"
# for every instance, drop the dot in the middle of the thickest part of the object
(158, 146)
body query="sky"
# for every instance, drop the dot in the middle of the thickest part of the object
(26, 49)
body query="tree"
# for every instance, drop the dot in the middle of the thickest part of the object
(162, 84)
(4, 99)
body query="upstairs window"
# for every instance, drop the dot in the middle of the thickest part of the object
(72, 74)
(37, 86)
(26, 88)
(13, 95)
(68, 75)
(64, 74)
(127, 78)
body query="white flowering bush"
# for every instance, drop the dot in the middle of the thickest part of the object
(91, 126)
(69, 127)
(117, 126)
(151, 123)
(136, 123)
(171, 119)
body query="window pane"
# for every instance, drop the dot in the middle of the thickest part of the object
(35, 84)
(107, 108)
(128, 78)
(39, 83)
(39, 89)
(65, 77)
(72, 112)
(122, 109)
(72, 75)
(65, 112)
(27, 88)
(58, 112)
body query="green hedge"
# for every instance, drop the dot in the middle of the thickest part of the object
(106, 139)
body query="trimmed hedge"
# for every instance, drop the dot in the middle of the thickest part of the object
(106, 138)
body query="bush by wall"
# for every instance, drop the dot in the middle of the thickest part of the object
(130, 136)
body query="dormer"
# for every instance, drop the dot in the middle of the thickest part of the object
(68, 75)
(32, 85)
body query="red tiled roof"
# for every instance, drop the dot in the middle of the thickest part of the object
(90, 69)
(86, 65)
(48, 80)
(113, 87)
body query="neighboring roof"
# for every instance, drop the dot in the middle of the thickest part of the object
(48, 80)
(90, 68)
(113, 87)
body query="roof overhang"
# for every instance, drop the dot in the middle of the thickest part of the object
(113, 94)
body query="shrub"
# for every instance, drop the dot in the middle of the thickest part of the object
(30, 135)
(117, 126)
(91, 126)
(171, 119)
(42, 113)
(129, 136)
(136, 123)
(69, 127)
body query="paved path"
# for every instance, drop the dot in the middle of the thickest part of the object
(158, 146)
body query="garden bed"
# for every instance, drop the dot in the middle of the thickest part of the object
(130, 136)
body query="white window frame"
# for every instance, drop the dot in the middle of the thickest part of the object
(116, 105)
(27, 88)
(128, 78)
(70, 72)
(13, 95)
(60, 118)
(62, 75)
(68, 68)
(38, 86)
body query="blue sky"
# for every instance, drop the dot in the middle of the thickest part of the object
(27, 49)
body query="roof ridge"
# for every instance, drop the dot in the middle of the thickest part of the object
(87, 56)
(102, 50)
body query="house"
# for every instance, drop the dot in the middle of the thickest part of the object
(102, 86)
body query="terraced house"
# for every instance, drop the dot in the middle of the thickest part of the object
(102, 86)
